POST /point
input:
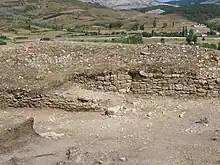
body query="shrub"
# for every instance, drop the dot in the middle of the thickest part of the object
(3, 42)
(164, 25)
(117, 24)
(162, 40)
(21, 38)
(146, 34)
(211, 33)
(45, 39)
(134, 39)
(142, 27)
(211, 46)
(58, 36)
(3, 37)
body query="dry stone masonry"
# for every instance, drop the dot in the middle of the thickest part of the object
(30, 72)
(179, 85)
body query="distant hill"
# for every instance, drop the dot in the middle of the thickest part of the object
(125, 4)
(201, 13)
(70, 13)
(192, 2)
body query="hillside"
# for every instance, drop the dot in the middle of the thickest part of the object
(192, 2)
(69, 13)
(34, 17)
(125, 4)
(201, 13)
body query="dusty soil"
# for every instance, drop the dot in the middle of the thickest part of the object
(147, 130)
(46, 65)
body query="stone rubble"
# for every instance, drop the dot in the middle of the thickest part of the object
(30, 72)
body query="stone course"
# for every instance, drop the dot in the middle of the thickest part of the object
(25, 99)
(138, 82)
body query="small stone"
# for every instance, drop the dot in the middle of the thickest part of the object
(113, 110)
(122, 90)
(149, 114)
(144, 53)
(181, 115)
(123, 159)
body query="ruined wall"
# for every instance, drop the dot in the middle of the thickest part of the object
(154, 84)
(134, 82)
(24, 99)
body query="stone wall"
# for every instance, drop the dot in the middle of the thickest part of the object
(139, 82)
(134, 82)
(25, 99)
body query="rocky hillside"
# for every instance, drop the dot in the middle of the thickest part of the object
(46, 12)
(192, 2)
(125, 4)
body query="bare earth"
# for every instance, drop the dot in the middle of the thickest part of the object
(131, 130)
(146, 130)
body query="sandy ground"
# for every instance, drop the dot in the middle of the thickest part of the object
(155, 131)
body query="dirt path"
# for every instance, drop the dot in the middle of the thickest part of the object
(159, 131)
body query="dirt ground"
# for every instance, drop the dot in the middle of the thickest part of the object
(146, 130)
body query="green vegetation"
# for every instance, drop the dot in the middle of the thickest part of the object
(3, 42)
(21, 38)
(164, 25)
(155, 23)
(191, 37)
(117, 24)
(142, 27)
(199, 13)
(163, 34)
(45, 39)
(211, 33)
(162, 40)
(4, 37)
(185, 2)
(131, 39)
(210, 45)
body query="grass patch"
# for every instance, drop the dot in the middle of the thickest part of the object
(3, 42)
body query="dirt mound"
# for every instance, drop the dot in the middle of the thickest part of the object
(17, 135)
(42, 65)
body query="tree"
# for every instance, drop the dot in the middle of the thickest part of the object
(164, 25)
(142, 27)
(173, 24)
(152, 33)
(184, 31)
(162, 40)
(195, 39)
(117, 24)
(155, 23)
(191, 37)
(203, 38)
(135, 26)
(218, 46)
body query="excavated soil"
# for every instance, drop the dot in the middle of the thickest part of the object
(130, 129)
(146, 130)
(17, 135)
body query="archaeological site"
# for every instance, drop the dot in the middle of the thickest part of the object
(79, 103)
